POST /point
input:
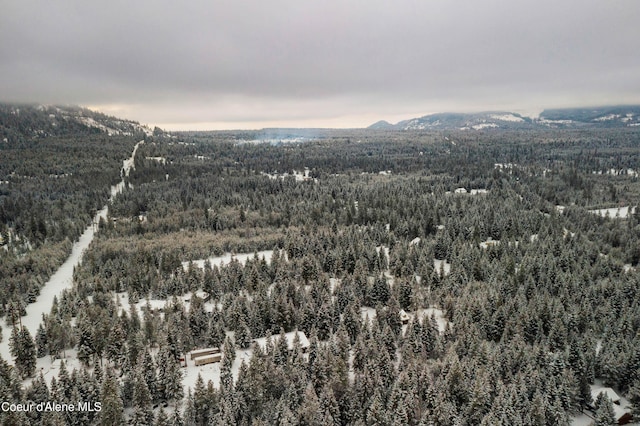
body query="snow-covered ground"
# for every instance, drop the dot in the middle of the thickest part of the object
(227, 258)
(63, 277)
(617, 172)
(436, 313)
(385, 250)
(422, 313)
(367, 313)
(607, 117)
(471, 191)
(50, 369)
(160, 160)
(299, 176)
(333, 282)
(123, 304)
(90, 122)
(478, 191)
(551, 123)
(484, 126)
(507, 117)
(441, 265)
(489, 243)
(129, 163)
(212, 371)
(616, 212)
(501, 166)
(582, 420)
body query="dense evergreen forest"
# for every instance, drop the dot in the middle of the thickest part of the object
(441, 278)
(55, 173)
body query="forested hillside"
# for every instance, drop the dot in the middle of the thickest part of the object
(594, 118)
(439, 278)
(53, 178)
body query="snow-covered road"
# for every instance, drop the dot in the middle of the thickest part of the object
(63, 277)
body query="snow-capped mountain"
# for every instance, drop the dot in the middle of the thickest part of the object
(615, 116)
(571, 118)
(475, 121)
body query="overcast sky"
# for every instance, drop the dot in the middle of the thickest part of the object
(321, 63)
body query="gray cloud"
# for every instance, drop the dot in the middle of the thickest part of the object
(246, 61)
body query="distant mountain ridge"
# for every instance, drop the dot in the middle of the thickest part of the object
(31, 121)
(567, 118)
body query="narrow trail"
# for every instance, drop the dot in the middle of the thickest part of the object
(63, 277)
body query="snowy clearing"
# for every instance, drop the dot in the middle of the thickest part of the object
(298, 176)
(484, 126)
(479, 191)
(607, 117)
(615, 213)
(129, 163)
(442, 267)
(160, 160)
(437, 313)
(158, 305)
(507, 117)
(422, 313)
(385, 250)
(212, 371)
(471, 191)
(219, 261)
(489, 243)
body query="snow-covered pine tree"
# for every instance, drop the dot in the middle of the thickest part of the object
(243, 335)
(41, 342)
(605, 415)
(148, 369)
(112, 410)
(202, 402)
(23, 349)
(142, 412)
(189, 417)
(162, 419)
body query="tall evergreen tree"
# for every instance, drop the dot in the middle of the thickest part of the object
(142, 410)
(605, 415)
(23, 349)
(112, 411)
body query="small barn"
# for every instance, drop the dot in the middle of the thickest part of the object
(208, 359)
(203, 352)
